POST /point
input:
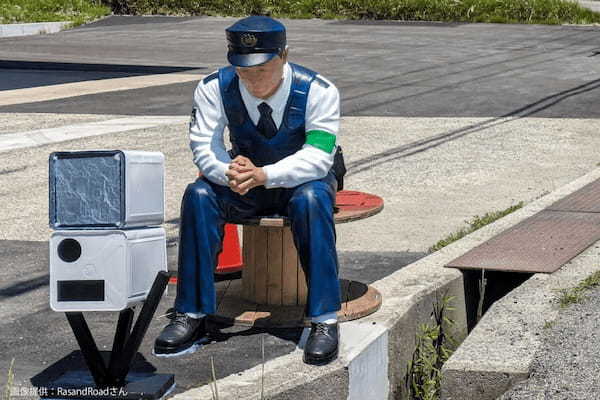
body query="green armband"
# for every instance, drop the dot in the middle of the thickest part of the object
(321, 140)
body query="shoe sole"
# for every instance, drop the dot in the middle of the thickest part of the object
(319, 361)
(176, 352)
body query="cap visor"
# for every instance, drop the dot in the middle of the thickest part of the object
(249, 60)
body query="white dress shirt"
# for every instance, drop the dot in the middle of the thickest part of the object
(309, 163)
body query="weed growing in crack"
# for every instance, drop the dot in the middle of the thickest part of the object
(434, 346)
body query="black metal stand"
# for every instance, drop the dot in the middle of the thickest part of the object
(111, 380)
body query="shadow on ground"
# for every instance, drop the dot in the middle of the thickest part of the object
(18, 74)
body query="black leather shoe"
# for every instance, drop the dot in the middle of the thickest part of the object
(322, 344)
(181, 336)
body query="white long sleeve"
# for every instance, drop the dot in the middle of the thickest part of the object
(206, 133)
(310, 163)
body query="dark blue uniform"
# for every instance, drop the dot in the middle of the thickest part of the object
(207, 206)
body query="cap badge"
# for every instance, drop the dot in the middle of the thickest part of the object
(249, 40)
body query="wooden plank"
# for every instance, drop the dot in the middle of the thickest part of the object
(260, 241)
(302, 288)
(275, 222)
(290, 269)
(233, 309)
(365, 304)
(249, 271)
(353, 205)
(240, 316)
(344, 284)
(275, 265)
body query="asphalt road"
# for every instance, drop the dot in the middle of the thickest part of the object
(382, 69)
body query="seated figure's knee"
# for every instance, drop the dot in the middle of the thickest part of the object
(198, 192)
(311, 194)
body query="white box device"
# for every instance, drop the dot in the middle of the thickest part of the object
(104, 270)
(106, 189)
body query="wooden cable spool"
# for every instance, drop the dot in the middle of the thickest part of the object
(273, 290)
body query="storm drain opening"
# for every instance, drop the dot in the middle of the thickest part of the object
(483, 288)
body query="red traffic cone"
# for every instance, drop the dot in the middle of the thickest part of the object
(230, 259)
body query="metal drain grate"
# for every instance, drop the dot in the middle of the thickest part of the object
(541, 243)
(586, 199)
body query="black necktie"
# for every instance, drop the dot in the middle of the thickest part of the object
(266, 126)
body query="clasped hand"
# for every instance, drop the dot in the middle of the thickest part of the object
(243, 175)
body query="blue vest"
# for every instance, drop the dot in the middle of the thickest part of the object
(245, 138)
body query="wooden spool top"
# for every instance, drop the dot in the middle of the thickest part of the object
(351, 205)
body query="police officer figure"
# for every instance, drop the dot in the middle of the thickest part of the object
(283, 120)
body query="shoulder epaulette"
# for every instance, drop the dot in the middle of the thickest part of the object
(321, 82)
(210, 77)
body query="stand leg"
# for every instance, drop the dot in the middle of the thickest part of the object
(88, 347)
(121, 336)
(122, 363)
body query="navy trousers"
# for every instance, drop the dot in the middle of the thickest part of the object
(206, 207)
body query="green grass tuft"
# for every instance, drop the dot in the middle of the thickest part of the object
(434, 346)
(9, 381)
(476, 223)
(495, 11)
(75, 11)
(576, 294)
(498, 11)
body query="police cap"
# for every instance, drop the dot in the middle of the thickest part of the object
(254, 40)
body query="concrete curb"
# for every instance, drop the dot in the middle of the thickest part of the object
(375, 350)
(38, 28)
(499, 351)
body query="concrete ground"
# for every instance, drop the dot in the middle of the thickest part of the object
(566, 366)
(444, 121)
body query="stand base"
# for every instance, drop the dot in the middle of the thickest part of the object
(79, 384)
(358, 300)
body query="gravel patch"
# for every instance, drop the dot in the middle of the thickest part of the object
(566, 366)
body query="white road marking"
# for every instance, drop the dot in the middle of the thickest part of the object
(65, 90)
(39, 137)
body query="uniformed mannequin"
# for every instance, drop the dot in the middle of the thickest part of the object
(283, 120)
